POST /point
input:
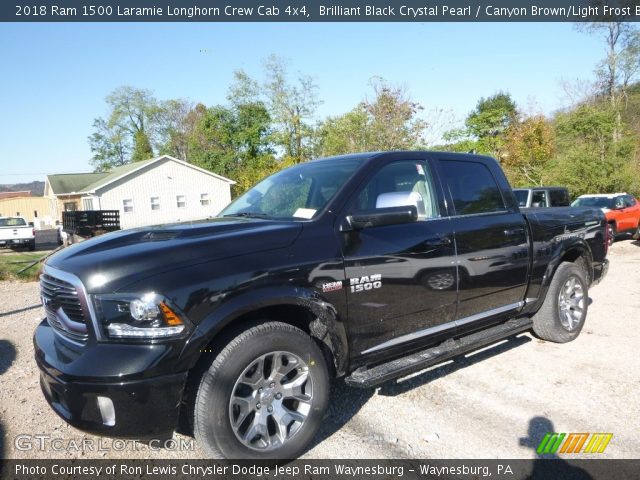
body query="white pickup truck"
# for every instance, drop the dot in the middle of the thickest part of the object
(16, 232)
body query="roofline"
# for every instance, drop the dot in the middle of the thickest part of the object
(155, 160)
(603, 195)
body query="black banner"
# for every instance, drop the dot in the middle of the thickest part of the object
(317, 11)
(566, 469)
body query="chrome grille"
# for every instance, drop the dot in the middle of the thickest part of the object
(63, 307)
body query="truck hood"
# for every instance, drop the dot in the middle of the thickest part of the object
(109, 262)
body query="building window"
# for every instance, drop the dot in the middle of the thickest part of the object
(204, 199)
(180, 201)
(69, 206)
(127, 205)
(155, 203)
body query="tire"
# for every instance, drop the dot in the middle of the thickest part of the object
(31, 246)
(612, 233)
(278, 418)
(558, 321)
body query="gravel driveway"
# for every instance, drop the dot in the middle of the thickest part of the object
(497, 403)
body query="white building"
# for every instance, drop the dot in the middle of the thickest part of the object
(159, 190)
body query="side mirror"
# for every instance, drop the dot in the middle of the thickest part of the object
(382, 217)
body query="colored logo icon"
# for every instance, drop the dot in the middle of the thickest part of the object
(574, 443)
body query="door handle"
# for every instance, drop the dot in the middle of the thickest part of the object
(512, 232)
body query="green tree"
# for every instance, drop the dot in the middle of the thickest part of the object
(489, 122)
(292, 106)
(175, 122)
(131, 127)
(388, 121)
(589, 160)
(141, 147)
(344, 134)
(529, 147)
(234, 142)
(109, 145)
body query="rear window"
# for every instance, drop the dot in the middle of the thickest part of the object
(559, 198)
(472, 187)
(521, 196)
(12, 222)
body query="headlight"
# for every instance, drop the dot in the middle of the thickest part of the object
(139, 316)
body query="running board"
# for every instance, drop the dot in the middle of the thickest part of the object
(369, 377)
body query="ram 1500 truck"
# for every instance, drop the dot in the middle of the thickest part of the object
(367, 266)
(16, 232)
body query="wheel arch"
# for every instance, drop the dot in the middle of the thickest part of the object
(575, 252)
(298, 307)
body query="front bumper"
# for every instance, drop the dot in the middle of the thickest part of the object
(600, 271)
(137, 406)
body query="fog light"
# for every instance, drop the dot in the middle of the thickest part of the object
(107, 411)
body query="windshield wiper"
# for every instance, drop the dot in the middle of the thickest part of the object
(249, 215)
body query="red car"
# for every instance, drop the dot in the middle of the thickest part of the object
(621, 209)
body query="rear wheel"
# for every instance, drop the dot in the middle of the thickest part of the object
(563, 313)
(264, 395)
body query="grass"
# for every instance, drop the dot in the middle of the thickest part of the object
(9, 269)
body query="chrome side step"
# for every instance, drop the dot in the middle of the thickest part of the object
(369, 377)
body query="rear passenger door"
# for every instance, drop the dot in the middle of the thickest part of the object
(491, 242)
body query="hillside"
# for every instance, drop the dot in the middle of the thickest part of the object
(36, 188)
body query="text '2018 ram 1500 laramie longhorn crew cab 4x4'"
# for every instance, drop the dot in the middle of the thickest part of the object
(368, 266)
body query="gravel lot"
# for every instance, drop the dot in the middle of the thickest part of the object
(498, 406)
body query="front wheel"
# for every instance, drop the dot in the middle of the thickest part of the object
(564, 311)
(612, 233)
(264, 395)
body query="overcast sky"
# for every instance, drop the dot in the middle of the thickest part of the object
(54, 77)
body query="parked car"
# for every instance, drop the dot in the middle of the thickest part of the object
(16, 232)
(621, 209)
(542, 197)
(339, 267)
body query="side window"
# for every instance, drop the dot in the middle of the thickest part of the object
(539, 199)
(629, 201)
(619, 202)
(398, 184)
(472, 187)
(559, 198)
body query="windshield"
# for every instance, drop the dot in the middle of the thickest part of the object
(12, 222)
(599, 202)
(521, 196)
(297, 192)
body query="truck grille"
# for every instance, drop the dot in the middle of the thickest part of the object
(63, 307)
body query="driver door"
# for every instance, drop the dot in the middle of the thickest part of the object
(401, 279)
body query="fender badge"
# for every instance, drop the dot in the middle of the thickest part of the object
(332, 286)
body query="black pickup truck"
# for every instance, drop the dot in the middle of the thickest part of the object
(368, 267)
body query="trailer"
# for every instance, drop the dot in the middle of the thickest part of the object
(89, 223)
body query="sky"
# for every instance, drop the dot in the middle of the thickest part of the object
(54, 77)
